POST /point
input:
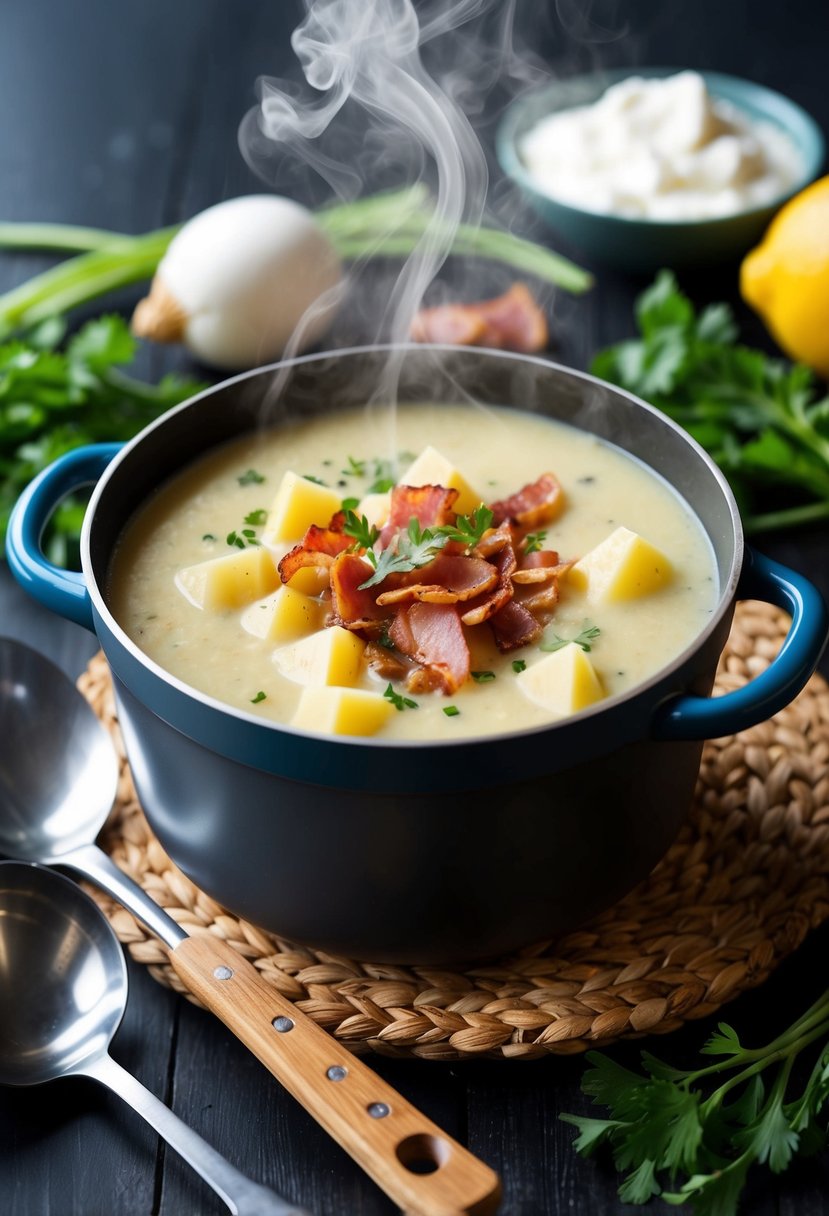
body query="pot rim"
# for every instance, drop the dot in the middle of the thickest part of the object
(724, 601)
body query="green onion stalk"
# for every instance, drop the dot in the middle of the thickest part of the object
(388, 225)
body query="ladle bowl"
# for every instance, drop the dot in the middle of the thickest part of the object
(58, 781)
(62, 998)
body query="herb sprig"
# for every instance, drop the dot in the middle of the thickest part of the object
(398, 700)
(418, 546)
(584, 639)
(762, 419)
(56, 396)
(692, 1135)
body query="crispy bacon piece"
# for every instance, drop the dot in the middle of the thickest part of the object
(504, 563)
(495, 539)
(431, 506)
(318, 547)
(352, 607)
(432, 635)
(514, 626)
(388, 664)
(451, 578)
(540, 567)
(534, 504)
(540, 599)
(512, 321)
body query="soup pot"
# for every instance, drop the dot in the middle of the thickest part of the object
(415, 851)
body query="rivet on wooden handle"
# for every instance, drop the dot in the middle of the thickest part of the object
(392, 1141)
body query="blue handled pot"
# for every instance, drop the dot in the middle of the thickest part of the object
(421, 851)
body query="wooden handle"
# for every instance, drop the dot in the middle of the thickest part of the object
(392, 1141)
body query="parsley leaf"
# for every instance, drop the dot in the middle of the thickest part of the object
(250, 478)
(583, 639)
(534, 541)
(483, 677)
(364, 533)
(398, 700)
(761, 419)
(53, 400)
(418, 546)
(414, 548)
(709, 1125)
(260, 696)
(257, 518)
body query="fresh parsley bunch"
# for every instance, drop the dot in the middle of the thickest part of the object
(55, 397)
(762, 419)
(692, 1136)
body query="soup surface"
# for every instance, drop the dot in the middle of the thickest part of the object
(219, 507)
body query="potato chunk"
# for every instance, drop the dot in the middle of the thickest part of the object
(331, 656)
(342, 711)
(231, 581)
(298, 504)
(623, 567)
(432, 468)
(284, 615)
(564, 681)
(376, 508)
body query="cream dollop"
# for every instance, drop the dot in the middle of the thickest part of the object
(662, 149)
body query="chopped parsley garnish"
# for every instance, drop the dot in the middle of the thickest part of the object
(483, 677)
(349, 504)
(418, 546)
(250, 478)
(518, 665)
(316, 480)
(356, 468)
(257, 518)
(398, 700)
(583, 639)
(260, 696)
(384, 479)
(451, 711)
(383, 638)
(414, 548)
(208, 536)
(364, 533)
(468, 529)
(534, 541)
(247, 537)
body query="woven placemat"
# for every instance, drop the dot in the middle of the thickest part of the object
(743, 884)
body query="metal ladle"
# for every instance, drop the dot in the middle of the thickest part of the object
(63, 991)
(58, 781)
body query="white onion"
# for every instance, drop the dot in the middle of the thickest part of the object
(239, 279)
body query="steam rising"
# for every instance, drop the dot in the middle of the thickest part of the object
(363, 60)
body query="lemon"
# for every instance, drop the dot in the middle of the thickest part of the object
(786, 278)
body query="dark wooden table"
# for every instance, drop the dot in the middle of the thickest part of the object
(125, 116)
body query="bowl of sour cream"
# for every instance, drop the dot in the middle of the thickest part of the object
(658, 167)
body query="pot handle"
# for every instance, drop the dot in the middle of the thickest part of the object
(63, 591)
(691, 717)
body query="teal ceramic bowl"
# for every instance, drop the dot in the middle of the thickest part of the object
(644, 245)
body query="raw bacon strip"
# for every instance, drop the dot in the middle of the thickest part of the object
(504, 563)
(536, 503)
(432, 634)
(318, 547)
(514, 626)
(351, 606)
(451, 578)
(431, 506)
(512, 321)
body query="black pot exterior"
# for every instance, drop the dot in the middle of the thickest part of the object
(426, 853)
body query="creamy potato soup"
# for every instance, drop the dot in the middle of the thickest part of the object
(414, 612)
